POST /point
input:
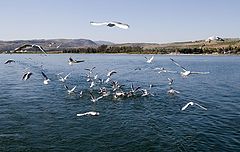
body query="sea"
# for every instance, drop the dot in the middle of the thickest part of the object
(39, 117)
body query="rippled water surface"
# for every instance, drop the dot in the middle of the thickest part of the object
(38, 117)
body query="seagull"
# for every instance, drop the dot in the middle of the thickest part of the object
(103, 91)
(92, 84)
(91, 113)
(146, 93)
(150, 59)
(65, 78)
(186, 72)
(9, 61)
(26, 76)
(94, 99)
(46, 79)
(71, 61)
(172, 91)
(170, 81)
(30, 46)
(90, 70)
(81, 94)
(193, 103)
(133, 91)
(70, 91)
(214, 38)
(111, 24)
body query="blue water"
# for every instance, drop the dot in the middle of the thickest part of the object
(38, 117)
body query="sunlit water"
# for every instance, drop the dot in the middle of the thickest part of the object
(38, 117)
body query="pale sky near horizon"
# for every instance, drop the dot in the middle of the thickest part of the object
(156, 21)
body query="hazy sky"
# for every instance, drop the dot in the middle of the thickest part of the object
(156, 21)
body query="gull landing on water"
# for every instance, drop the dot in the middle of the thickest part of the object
(90, 113)
(111, 24)
(172, 91)
(72, 61)
(193, 103)
(26, 46)
(94, 99)
(186, 72)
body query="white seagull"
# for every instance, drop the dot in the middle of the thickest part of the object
(91, 113)
(186, 72)
(94, 99)
(111, 73)
(72, 61)
(150, 59)
(26, 76)
(193, 103)
(70, 91)
(111, 24)
(46, 79)
(172, 91)
(26, 46)
(65, 78)
(214, 38)
(9, 61)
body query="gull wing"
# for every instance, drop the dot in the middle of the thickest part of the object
(67, 76)
(40, 48)
(22, 47)
(200, 72)
(200, 106)
(184, 107)
(66, 87)
(73, 88)
(98, 23)
(44, 75)
(79, 61)
(92, 97)
(178, 64)
(120, 25)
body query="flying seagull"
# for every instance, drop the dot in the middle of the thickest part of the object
(214, 38)
(94, 99)
(26, 76)
(46, 79)
(150, 59)
(65, 78)
(172, 91)
(9, 61)
(111, 24)
(193, 103)
(111, 73)
(186, 72)
(91, 113)
(170, 81)
(26, 46)
(71, 61)
(70, 91)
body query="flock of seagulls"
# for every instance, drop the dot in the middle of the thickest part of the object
(108, 86)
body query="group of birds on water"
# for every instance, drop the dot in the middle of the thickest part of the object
(108, 86)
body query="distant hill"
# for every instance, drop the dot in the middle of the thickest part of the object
(51, 44)
(103, 43)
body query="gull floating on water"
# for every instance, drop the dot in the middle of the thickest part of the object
(91, 113)
(146, 92)
(186, 72)
(111, 24)
(150, 59)
(172, 91)
(26, 76)
(31, 46)
(72, 61)
(193, 103)
(46, 79)
(9, 61)
(70, 91)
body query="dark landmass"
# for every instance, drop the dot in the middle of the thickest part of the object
(228, 46)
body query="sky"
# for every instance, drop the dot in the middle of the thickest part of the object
(151, 21)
